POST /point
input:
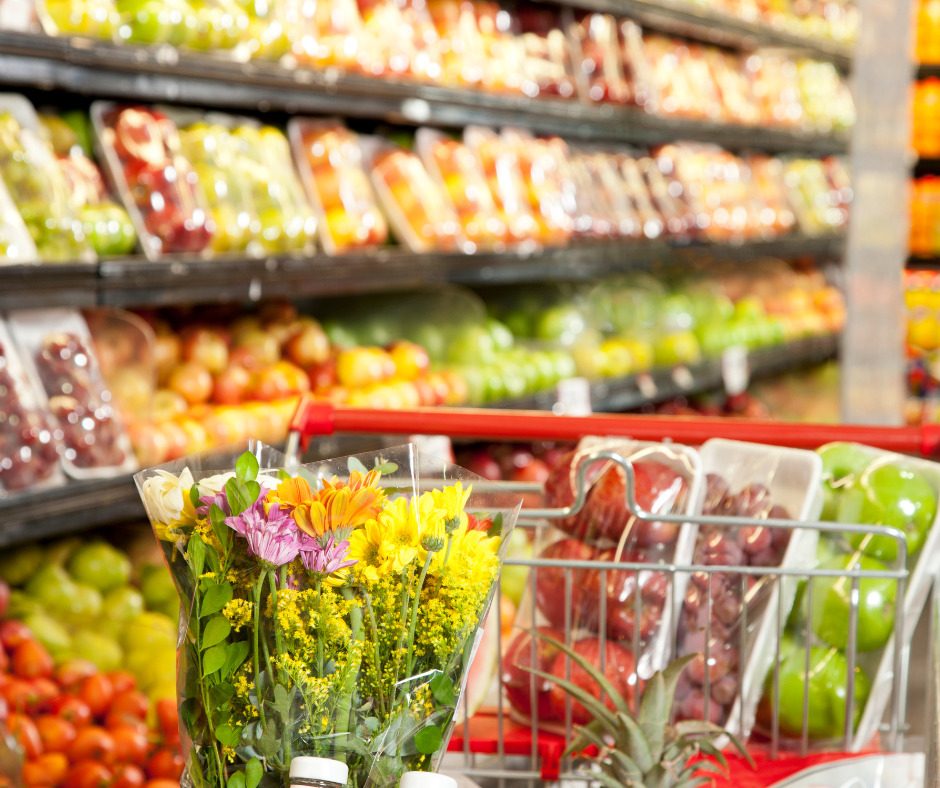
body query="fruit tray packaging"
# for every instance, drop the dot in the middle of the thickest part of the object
(734, 88)
(595, 50)
(57, 351)
(106, 225)
(462, 50)
(16, 244)
(330, 161)
(767, 176)
(775, 87)
(550, 187)
(458, 174)
(243, 172)
(143, 157)
(666, 193)
(638, 192)
(402, 40)
(868, 486)
(329, 33)
(743, 480)
(37, 187)
(502, 49)
(419, 212)
(29, 443)
(503, 172)
(812, 198)
(546, 54)
(668, 479)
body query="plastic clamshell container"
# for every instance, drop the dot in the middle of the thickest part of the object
(140, 149)
(33, 331)
(792, 476)
(329, 159)
(879, 665)
(16, 244)
(420, 214)
(37, 186)
(886, 770)
(459, 176)
(21, 400)
(656, 647)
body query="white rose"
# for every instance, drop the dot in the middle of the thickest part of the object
(166, 498)
(213, 485)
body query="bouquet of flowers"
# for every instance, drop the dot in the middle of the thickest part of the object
(330, 611)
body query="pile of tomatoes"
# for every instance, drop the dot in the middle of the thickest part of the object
(76, 727)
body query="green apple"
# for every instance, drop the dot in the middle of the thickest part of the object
(156, 585)
(502, 336)
(678, 348)
(86, 602)
(50, 633)
(476, 384)
(749, 308)
(563, 323)
(472, 345)
(827, 695)
(100, 565)
(121, 604)
(97, 648)
(888, 494)
(153, 667)
(841, 464)
(61, 551)
(148, 631)
(53, 588)
(19, 564)
(432, 339)
(832, 604)
(564, 364)
(341, 335)
(514, 381)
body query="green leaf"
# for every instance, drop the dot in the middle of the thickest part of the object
(254, 490)
(253, 773)
(213, 659)
(584, 736)
(246, 467)
(429, 739)
(196, 553)
(188, 713)
(371, 723)
(628, 768)
(282, 700)
(595, 708)
(355, 464)
(698, 728)
(220, 694)
(236, 780)
(216, 630)
(593, 671)
(235, 654)
(219, 528)
(237, 495)
(227, 735)
(634, 741)
(385, 467)
(282, 475)
(654, 712)
(194, 496)
(496, 529)
(217, 596)
(607, 780)
(442, 688)
(214, 563)
(267, 744)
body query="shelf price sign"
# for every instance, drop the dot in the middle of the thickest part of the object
(735, 371)
(573, 398)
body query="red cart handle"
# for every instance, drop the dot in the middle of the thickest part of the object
(315, 417)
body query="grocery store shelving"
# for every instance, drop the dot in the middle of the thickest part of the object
(79, 506)
(135, 282)
(714, 27)
(101, 69)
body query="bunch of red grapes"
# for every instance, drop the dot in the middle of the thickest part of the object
(714, 601)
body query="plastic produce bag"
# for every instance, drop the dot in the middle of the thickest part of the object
(619, 618)
(381, 568)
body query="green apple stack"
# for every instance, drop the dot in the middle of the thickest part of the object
(79, 600)
(861, 486)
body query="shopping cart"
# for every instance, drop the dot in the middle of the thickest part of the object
(495, 746)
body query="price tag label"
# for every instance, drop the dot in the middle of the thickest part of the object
(573, 397)
(735, 372)
(682, 377)
(434, 446)
(647, 385)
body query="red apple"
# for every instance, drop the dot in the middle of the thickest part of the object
(482, 464)
(192, 381)
(323, 375)
(232, 385)
(256, 348)
(309, 346)
(551, 585)
(4, 598)
(207, 347)
(560, 492)
(619, 668)
(517, 679)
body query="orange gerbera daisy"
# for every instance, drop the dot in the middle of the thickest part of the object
(339, 510)
(290, 493)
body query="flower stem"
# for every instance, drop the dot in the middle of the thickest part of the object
(414, 612)
(346, 718)
(255, 634)
(378, 657)
(320, 633)
(450, 542)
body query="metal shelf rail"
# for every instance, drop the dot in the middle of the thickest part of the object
(84, 67)
(137, 282)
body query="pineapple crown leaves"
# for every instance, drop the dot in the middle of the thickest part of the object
(642, 750)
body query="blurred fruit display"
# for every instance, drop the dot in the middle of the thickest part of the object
(928, 32)
(105, 223)
(37, 186)
(926, 118)
(922, 300)
(925, 216)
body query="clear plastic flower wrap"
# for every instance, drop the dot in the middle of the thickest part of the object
(620, 619)
(332, 610)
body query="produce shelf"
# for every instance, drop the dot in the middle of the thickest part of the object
(101, 69)
(134, 281)
(79, 506)
(714, 27)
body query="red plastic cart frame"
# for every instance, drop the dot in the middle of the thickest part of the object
(316, 418)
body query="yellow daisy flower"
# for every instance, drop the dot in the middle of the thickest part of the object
(365, 547)
(452, 499)
(401, 536)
